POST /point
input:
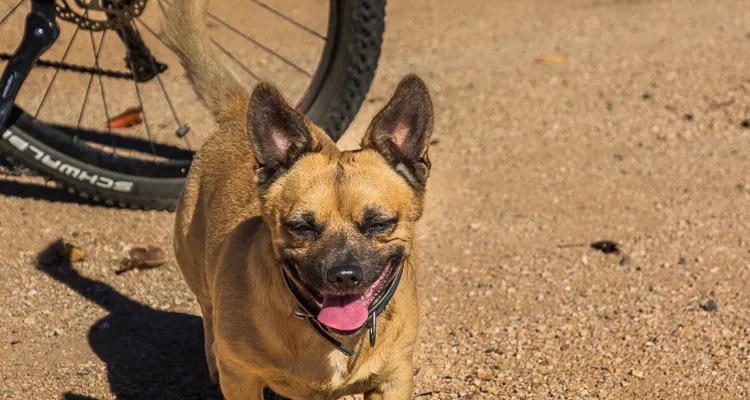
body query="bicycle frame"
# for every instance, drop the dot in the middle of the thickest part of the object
(40, 33)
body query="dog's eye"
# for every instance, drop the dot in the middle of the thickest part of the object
(303, 228)
(379, 227)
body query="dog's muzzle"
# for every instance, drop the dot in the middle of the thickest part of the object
(309, 311)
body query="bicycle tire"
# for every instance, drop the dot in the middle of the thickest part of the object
(333, 98)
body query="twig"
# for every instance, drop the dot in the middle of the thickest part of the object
(563, 246)
(427, 393)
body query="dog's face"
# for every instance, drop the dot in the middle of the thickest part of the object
(342, 222)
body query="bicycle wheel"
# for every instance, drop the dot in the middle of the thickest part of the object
(140, 158)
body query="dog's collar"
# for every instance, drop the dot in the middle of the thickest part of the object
(309, 311)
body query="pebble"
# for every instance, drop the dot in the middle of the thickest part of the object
(637, 373)
(709, 305)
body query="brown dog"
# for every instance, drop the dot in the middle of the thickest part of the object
(275, 221)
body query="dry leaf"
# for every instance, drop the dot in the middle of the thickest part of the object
(143, 258)
(60, 252)
(606, 246)
(551, 60)
(130, 117)
(74, 254)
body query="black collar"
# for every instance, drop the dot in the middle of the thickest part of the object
(309, 311)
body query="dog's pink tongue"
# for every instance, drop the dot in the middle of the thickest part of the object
(344, 313)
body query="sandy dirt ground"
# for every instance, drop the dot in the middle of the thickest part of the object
(639, 135)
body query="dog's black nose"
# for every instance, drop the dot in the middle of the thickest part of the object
(345, 277)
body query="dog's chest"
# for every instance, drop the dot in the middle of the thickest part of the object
(337, 364)
(327, 374)
(332, 369)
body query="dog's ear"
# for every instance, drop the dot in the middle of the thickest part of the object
(401, 131)
(278, 133)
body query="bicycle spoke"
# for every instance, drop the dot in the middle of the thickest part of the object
(252, 41)
(231, 56)
(289, 19)
(261, 46)
(127, 41)
(163, 10)
(101, 84)
(223, 50)
(161, 84)
(54, 76)
(88, 87)
(12, 10)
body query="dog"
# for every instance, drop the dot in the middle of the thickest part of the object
(301, 256)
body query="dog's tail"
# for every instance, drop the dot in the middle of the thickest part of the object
(186, 32)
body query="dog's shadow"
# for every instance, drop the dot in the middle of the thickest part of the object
(150, 354)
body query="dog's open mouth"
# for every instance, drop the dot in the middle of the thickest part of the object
(349, 312)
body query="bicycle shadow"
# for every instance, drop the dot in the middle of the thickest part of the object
(150, 354)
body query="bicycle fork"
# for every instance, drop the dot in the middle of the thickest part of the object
(40, 33)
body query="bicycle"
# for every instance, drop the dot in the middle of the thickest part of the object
(110, 163)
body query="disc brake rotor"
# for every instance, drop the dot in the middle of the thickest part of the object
(118, 13)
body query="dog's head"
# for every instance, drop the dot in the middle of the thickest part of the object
(342, 222)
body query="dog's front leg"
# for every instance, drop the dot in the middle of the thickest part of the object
(241, 389)
(208, 334)
(400, 386)
(237, 385)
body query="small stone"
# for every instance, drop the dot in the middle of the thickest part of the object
(637, 373)
(55, 332)
(681, 261)
(745, 123)
(475, 226)
(104, 325)
(624, 260)
(709, 305)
